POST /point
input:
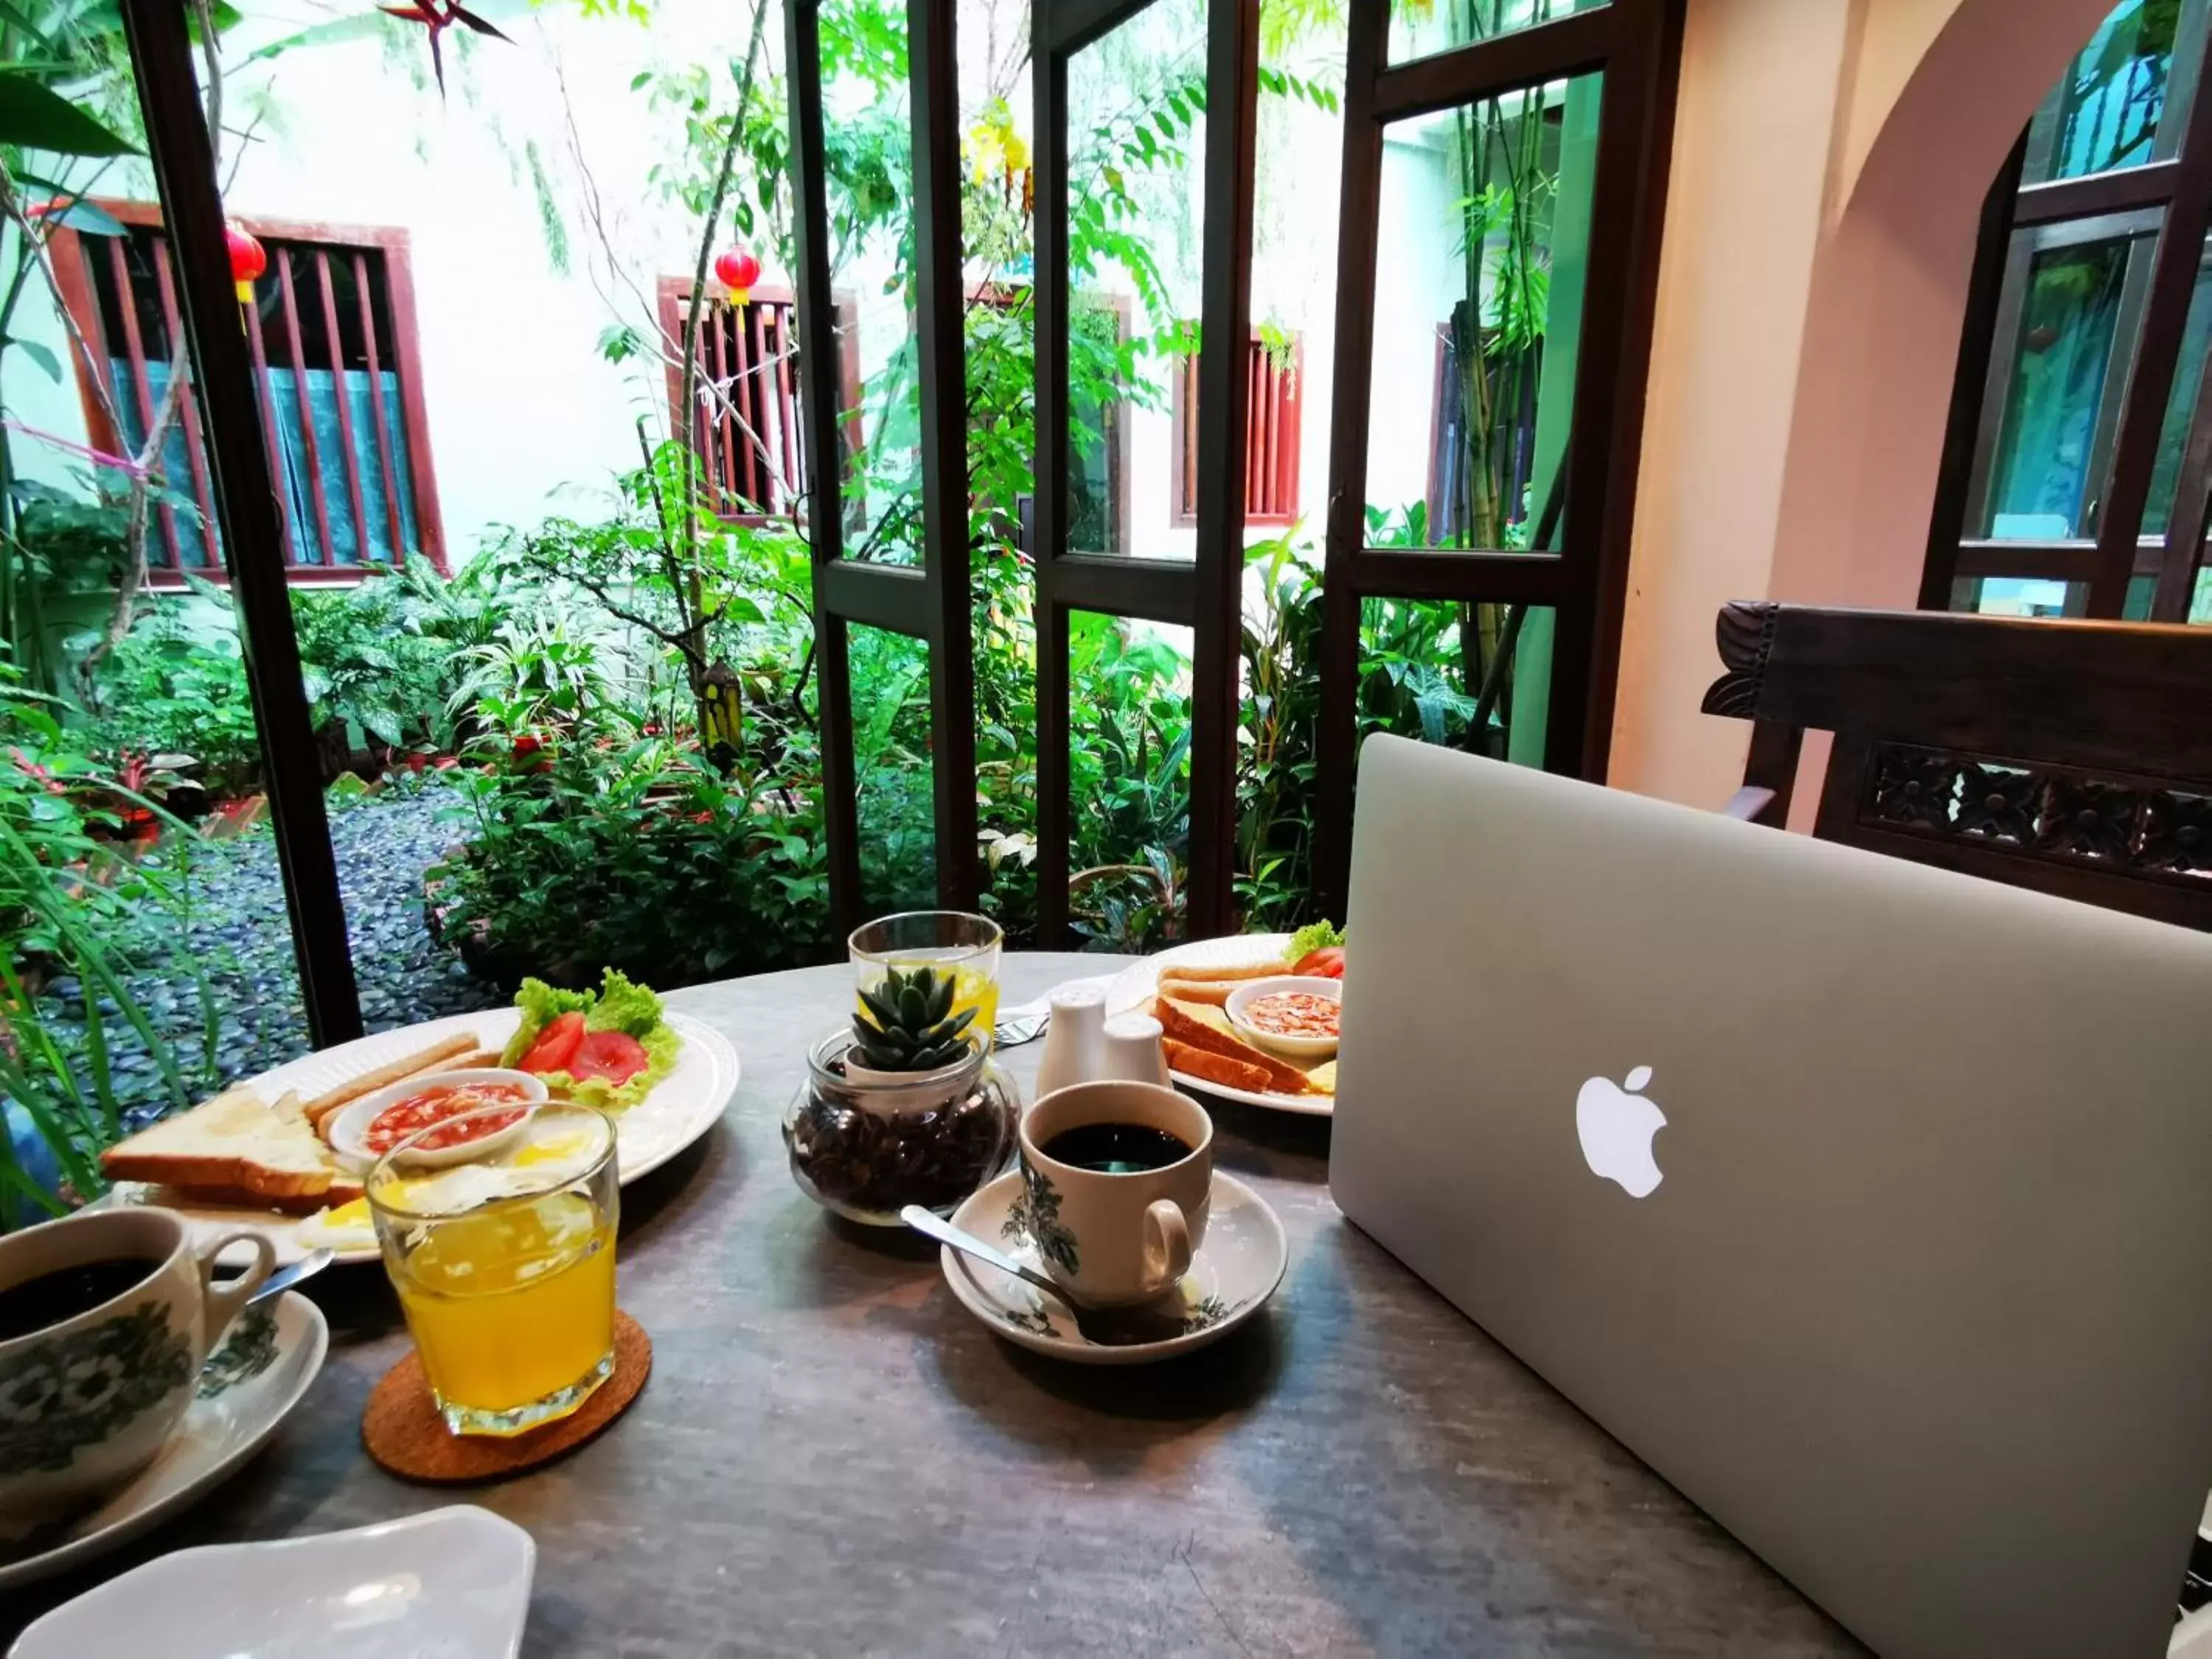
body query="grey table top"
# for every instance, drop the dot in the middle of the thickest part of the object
(833, 1458)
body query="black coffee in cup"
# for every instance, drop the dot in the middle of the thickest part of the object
(1116, 1148)
(66, 1292)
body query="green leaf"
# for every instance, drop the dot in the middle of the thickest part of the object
(88, 217)
(36, 117)
(40, 356)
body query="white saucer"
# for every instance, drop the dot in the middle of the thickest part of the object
(1237, 1269)
(248, 1386)
(450, 1581)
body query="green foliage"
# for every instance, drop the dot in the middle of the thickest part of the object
(69, 901)
(606, 847)
(367, 661)
(176, 684)
(35, 117)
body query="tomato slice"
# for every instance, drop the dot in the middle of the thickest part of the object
(556, 1045)
(615, 1055)
(1328, 962)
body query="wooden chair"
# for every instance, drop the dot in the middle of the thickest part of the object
(2074, 757)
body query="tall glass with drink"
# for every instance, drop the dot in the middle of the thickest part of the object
(505, 1262)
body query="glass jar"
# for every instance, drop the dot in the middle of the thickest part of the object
(964, 947)
(865, 1144)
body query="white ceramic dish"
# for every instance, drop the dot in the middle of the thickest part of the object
(682, 1107)
(1236, 1270)
(1136, 985)
(1239, 1009)
(249, 1385)
(349, 1132)
(451, 1584)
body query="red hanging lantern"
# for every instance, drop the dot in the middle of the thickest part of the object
(738, 270)
(248, 259)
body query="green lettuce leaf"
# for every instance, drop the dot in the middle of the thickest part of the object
(1320, 936)
(619, 1004)
(624, 1005)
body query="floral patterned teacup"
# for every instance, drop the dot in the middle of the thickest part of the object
(87, 1400)
(1115, 1237)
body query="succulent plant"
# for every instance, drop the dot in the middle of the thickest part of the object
(914, 1028)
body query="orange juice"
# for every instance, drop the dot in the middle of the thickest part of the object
(513, 1305)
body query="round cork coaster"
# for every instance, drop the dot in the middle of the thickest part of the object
(404, 1432)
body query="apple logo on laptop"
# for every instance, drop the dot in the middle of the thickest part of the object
(1617, 1124)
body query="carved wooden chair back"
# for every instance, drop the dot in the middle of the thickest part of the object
(2074, 758)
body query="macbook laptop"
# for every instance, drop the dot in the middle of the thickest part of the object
(1870, 1205)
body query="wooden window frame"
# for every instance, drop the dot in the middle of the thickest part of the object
(73, 278)
(672, 298)
(1203, 592)
(1583, 578)
(2147, 336)
(1288, 433)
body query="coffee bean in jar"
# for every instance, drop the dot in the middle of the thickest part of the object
(865, 1144)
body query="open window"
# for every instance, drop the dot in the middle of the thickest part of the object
(330, 330)
(748, 428)
(1273, 370)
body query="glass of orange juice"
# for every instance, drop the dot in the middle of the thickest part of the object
(504, 1259)
(955, 942)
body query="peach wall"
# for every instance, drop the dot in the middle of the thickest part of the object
(1829, 162)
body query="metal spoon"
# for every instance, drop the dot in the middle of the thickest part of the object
(923, 1221)
(1110, 1326)
(285, 1278)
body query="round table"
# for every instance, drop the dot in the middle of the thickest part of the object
(834, 1457)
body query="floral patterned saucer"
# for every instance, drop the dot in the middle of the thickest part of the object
(248, 1386)
(1236, 1270)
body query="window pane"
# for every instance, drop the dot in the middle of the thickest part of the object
(892, 772)
(2064, 370)
(1483, 238)
(1129, 779)
(1136, 136)
(2016, 596)
(870, 183)
(144, 946)
(2200, 605)
(1471, 676)
(2124, 98)
(1419, 27)
(2180, 403)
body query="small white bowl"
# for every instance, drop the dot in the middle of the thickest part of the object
(1290, 1048)
(347, 1131)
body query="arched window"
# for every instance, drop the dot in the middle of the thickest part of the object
(2077, 466)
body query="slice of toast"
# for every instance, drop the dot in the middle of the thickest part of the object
(235, 1148)
(1204, 1064)
(1201, 1025)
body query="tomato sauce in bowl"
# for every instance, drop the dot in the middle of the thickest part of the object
(434, 1106)
(1293, 1014)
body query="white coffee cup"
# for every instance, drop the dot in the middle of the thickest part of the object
(87, 1400)
(1114, 1239)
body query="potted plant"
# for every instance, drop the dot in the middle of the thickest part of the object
(903, 1107)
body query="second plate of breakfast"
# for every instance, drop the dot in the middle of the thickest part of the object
(260, 1155)
(1188, 988)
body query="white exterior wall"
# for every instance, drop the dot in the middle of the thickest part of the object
(525, 417)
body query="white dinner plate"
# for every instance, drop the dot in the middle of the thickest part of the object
(248, 1386)
(682, 1107)
(1235, 1272)
(451, 1582)
(1138, 983)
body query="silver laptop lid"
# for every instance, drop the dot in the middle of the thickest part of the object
(1897, 1257)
